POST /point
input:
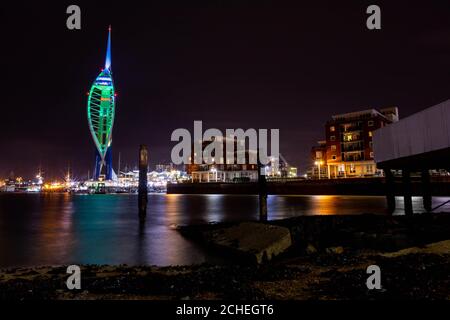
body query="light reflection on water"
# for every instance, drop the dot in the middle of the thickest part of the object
(43, 229)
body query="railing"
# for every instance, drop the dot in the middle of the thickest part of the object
(353, 158)
(352, 146)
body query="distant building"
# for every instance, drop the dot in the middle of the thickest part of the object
(280, 169)
(318, 159)
(292, 172)
(348, 148)
(218, 171)
(156, 180)
(223, 172)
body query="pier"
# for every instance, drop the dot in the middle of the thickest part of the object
(416, 144)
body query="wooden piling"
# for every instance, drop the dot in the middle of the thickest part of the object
(407, 191)
(262, 191)
(390, 190)
(143, 189)
(426, 190)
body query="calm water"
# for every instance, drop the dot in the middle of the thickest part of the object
(42, 229)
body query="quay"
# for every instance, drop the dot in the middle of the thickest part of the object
(439, 186)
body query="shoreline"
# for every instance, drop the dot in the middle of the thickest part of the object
(418, 273)
(327, 261)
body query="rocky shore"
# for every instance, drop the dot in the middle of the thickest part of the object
(328, 260)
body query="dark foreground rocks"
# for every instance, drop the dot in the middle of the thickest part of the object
(327, 259)
(417, 273)
(325, 233)
(253, 241)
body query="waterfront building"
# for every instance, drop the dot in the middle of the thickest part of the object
(222, 172)
(280, 169)
(292, 172)
(155, 179)
(318, 158)
(219, 171)
(100, 111)
(347, 150)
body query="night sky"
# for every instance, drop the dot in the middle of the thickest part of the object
(232, 64)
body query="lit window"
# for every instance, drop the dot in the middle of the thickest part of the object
(332, 138)
(318, 154)
(350, 137)
(333, 147)
(332, 129)
(371, 154)
(370, 123)
(370, 133)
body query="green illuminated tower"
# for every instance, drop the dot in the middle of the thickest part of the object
(100, 111)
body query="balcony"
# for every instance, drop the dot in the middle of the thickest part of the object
(352, 156)
(352, 146)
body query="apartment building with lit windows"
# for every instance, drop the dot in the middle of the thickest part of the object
(219, 171)
(348, 148)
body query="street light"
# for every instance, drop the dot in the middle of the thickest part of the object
(318, 164)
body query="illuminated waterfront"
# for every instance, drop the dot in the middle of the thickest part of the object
(41, 229)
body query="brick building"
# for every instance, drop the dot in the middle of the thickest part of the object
(348, 150)
(219, 171)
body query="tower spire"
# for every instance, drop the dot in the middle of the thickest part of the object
(108, 51)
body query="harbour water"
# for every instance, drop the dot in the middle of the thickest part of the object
(53, 229)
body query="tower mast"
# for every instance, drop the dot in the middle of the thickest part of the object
(108, 51)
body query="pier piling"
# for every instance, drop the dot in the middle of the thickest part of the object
(262, 191)
(390, 190)
(143, 190)
(426, 189)
(407, 192)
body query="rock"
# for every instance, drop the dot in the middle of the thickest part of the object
(255, 241)
(334, 250)
(310, 249)
(437, 248)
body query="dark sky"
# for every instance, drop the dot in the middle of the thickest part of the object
(232, 64)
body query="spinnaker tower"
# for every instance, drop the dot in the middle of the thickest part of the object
(100, 112)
